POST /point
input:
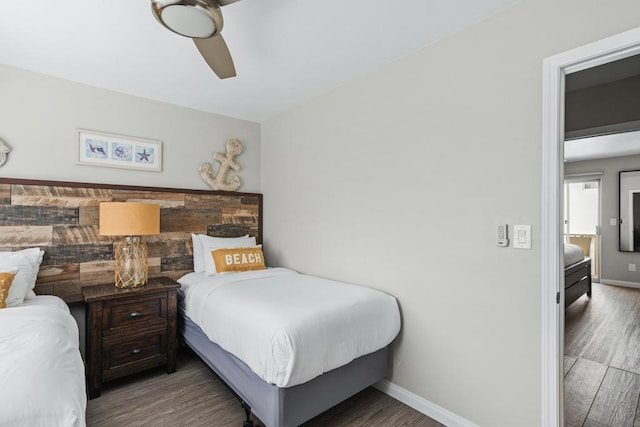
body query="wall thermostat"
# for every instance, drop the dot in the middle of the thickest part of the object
(503, 235)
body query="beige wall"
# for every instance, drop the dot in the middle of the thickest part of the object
(39, 116)
(398, 181)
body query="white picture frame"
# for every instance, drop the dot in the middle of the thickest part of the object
(118, 151)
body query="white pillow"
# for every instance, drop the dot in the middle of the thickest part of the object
(210, 243)
(198, 261)
(28, 262)
(198, 250)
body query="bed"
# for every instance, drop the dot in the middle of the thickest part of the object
(577, 274)
(42, 371)
(288, 345)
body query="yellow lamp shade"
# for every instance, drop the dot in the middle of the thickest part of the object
(129, 219)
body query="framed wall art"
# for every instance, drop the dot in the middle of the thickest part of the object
(118, 151)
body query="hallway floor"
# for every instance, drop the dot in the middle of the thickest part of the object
(602, 358)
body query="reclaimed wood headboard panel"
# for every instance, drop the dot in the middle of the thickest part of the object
(62, 219)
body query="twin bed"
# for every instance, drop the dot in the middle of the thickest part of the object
(42, 371)
(288, 345)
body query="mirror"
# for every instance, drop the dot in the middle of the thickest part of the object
(629, 211)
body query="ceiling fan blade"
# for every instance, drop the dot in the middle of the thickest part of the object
(215, 51)
(225, 2)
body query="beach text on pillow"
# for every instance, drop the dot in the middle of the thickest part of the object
(238, 259)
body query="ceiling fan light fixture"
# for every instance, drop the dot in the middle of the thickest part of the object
(188, 21)
(198, 19)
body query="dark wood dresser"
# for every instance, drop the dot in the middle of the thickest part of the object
(129, 330)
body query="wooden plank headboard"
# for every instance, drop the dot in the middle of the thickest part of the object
(62, 219)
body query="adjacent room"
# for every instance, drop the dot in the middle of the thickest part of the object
(602, 148)
(283, 213)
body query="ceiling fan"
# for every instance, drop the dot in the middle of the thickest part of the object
(202, 21)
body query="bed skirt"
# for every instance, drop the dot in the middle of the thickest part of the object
(285, 407)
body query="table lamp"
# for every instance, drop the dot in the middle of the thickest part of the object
(131, 220)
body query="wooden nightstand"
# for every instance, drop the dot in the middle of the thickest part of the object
(129, 330)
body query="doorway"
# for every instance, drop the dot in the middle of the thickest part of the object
(555, 68)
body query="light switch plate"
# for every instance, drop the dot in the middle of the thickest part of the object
(522, 236)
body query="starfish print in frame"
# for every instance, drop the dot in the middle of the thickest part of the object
(144, 156)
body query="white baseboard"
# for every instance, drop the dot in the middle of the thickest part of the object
(418, 403)
(620, 283)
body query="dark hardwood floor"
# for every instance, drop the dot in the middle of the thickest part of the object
(602, 359)
(193, 396)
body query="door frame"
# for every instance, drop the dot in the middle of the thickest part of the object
(554, 70)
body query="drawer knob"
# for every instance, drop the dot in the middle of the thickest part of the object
(135, 314)
(135, 351)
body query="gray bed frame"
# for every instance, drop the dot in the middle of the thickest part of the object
(284, 407)
(577, 281)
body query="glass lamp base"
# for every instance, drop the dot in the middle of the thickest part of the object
(131, 270)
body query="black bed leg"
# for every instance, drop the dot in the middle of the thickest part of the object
(247, 411)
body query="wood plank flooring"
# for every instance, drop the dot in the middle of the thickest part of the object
(194, 397)
(602, 359)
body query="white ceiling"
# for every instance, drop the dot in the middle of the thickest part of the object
(285, 51)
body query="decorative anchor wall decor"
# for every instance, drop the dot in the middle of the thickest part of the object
(234, 148)
(4, 153)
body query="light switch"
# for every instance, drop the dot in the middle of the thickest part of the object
(613, 221)
(522, 236)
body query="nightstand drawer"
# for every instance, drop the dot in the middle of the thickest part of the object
(124, 313)
(134, 353)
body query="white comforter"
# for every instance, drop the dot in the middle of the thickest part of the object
(288, 327)
(41, 371)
